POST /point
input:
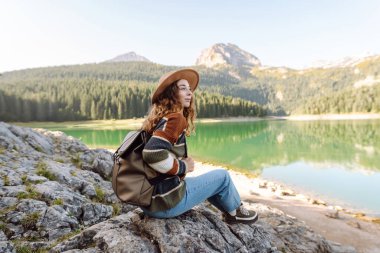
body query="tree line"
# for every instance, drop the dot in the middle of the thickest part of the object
(277, 91)
(362, 100)
(90, 99)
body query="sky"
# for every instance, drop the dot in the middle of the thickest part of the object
(291, 33)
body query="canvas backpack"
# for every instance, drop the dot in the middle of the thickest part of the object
(133, 180)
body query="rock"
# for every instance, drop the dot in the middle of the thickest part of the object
(7, 202)
(12, 191)
(52, 190)
(56, 222)
(227, 54)
(317, 202)
(14, 231)
(263, 184)
(94, 213)
(33, 138)
(99, 161)
(334, 214)
(201, 230)
(35, 179)
(31, 206)
(7, 247)
(13, 178)
(3, 237)
(8, 139)
(287, 192)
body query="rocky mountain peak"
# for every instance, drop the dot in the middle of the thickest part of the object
(227, 54)
(131, 56)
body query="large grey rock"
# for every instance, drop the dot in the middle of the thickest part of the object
(12, 191)
(6, 202)
(13, 177)
(33, 138)
(64, 145)
(200, 230)
(8, 139)
(95, 213)
(52, 190)
(31, 206)
(99, 161)
(56, 222)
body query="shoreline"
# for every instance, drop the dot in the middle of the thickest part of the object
(351, 116)
(135, 123)
(335, 223)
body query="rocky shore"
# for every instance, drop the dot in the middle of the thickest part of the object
(56, 196)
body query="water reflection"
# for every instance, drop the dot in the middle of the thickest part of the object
(256, 145)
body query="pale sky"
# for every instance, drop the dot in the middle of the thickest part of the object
(292, 33)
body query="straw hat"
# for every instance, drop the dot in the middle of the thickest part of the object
(190, 75)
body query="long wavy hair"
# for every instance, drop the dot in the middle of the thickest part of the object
(168, 102)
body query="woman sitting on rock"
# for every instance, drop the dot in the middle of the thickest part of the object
(170, 120)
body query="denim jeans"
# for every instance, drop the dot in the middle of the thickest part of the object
(215, 186)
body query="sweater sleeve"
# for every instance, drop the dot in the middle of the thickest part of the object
(157, 150)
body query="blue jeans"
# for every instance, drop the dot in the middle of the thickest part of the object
(216, 186)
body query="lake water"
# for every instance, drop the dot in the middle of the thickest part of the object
(338, 161)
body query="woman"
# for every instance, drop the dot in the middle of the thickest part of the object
(170, 120)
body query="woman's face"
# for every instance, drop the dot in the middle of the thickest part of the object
(184, 93)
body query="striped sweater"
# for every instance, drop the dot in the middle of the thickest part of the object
(163, 152)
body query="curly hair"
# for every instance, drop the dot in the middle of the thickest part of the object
(168, 102)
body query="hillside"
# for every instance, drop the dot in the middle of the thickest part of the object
(122, 89)
(105, 91)
(131, 56)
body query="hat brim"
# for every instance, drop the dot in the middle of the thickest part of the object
(190, 75)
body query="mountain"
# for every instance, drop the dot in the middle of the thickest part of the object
(227, 54)
(123, 89)
(131, 56)
(347, 61)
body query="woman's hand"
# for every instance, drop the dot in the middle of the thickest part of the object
(190, 163)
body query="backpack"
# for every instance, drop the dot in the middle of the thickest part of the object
(133, 181)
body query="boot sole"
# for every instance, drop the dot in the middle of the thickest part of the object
(242, 221)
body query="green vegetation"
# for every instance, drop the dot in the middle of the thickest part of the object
(59, 160)
(20, 248)
(24, 179)
(76, 161)
(42, 170)
(362, 100)
(66, 237)
(30, 220)
(105, 91)
(100, 195)
(123, 90)
(6, 180)
(30, 193)
(73, 173)
(2, 150)
(58, 201)
(39, 149)
(116, 209)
